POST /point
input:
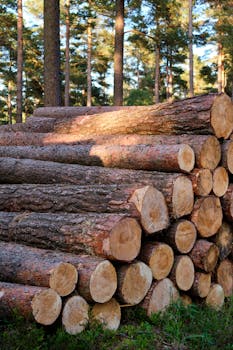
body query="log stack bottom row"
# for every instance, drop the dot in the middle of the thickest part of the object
(110, 207)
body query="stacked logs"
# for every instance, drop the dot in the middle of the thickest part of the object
(106, 207)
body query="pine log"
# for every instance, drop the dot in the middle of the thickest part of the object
(173, 185)
(215, 297)
(33, 124)
(181, 235)
(202, 181)
(201, 115)
(207, 215)
(34, 303)
(31, 266)
(173, 158)
(227, 155)
(108, 314)
(182, 273)
(224, 240)
(186, 299)
(160, 296)
(227, 203)
(201, 284)
(159, 257)
(134, 281)
(204, 255)
(220, 181)
(224, 276)
(108, 235)
(145, 204)
(75, 315)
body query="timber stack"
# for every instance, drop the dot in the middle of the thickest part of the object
(107, 207)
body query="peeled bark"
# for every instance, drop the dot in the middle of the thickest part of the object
(38, 303)
(220, 181)
(75, 315)
(201, 284)
(207, 215)
(227, 155)
(159, 257)
(114, 236)
(227, 203)
(173, 185)
(108, 314)
(202, 181)
(224, 240)
(224, 276)
(181, 235)
(160, 296)
(182, 273)
(215, 297)
(32, 266)
(173, 158)
(143, 203)
(204, 255)
(134, 281)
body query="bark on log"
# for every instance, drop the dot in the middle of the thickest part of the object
(160, 296)
(220, 181)
(215, 297)
(227, 203)
(159, 257)
(168, 158)
(107, 235)
(207, 215)
(37, 125)
(224, 276)
(75, 315)
(31, 266)
(134, 281)
(224, 240)
(38, 303)
(204, 255)
(227, 155)
(181, 236)
(146, 204)
(108, 314)
(201, 115)
(201, 284)
(173, 185)
(182, 273)
(202, 181)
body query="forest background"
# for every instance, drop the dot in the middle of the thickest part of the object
(132, 52)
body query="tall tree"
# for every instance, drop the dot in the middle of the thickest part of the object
(67, 54)
(19, 100)
(118, 53)
(52, 80)
(89, 55)
(190, 38)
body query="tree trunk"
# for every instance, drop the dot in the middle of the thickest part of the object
(31, 266)
(215, 297)
(159, 257)
(220, 69)
(119, 53)
(134, 281)
(227, 203)
(224, 240)
(157, 72)
(75, 315)
(220, 181)
(107, 314)
(19, 102)
(201, 284)
(224, 276)
(204, 255)
(182, 273)
(89, 56)
(173, 158)
(190, 35)
(227, 155)
(173, 186)
(207, 215)
(108, 235)
(67, 55)
(38, 303)
(202, 181)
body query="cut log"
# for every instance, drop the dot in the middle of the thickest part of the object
(134, 281)
(224, 276)
(173, 158)
(186, 299)
(159, 257)
(173, 185)
(215, 297)
(34, 303)
(160, 296)
(151, 210)
(108, 314)
(224, 240)
(227, 155)
(115, 236)
(32, 266)
(181, 235)
(220, 181)
(201, 115)
(182, 273)
(75, 315)
(207, 215)
(201, 285)
(204, 255)
(202, 181)
(33, 124)
(227, 203)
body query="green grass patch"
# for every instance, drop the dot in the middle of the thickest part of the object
(182, 328)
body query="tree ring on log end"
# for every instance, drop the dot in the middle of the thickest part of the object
(211, 258)
(46, 306)
(210, 154)
(186, 158)
(221, 117)
(230, 157)
(161, 261)
(220, 181)
(204, 182)
(184, 273)
(108, 314)
(63, 279)
(182, 197)
(75, 315)
(185, 237)
(215, 297)
(204, 284)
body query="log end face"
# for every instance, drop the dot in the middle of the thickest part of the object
(215, 297)
(161, 261)
(46, 306)
(182, 197)
(221, 117)
(186, 235)
(211, 258)
(204, 284)
(63, 279)
(108, 314)
(204, 182)
(225, 276)
(184, 274)
(186, 158)
(230, 157)
(75, 315)
(210, 154)
(220, 181)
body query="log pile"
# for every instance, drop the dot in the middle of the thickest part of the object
(107, 207)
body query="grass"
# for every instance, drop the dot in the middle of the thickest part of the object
(179, 328)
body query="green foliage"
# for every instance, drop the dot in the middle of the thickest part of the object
(139, 98)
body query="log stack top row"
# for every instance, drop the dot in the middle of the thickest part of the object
(147, 188)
